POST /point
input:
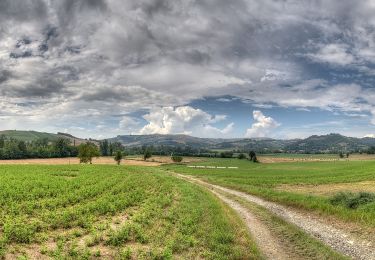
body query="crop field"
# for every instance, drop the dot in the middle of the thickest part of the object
(340, 189)
(113, 212)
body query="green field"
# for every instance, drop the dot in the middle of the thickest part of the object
(265, 180)
(85, 211)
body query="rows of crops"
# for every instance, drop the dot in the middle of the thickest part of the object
(109, 211)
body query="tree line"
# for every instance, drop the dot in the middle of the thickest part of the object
(11, 148)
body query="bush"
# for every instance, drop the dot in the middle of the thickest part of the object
(176, 158)
(241, 156)
(226, 154)
(352, 200)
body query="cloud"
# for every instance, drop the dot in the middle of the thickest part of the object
(183, 120)
(130, 56)
(336, 54)
(369, 136)
(262, 125)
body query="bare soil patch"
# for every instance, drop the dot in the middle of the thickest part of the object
(154, 161)
(100, 160)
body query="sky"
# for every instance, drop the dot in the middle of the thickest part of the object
(208, 68)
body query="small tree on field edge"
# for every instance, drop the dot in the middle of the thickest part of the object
(253, 157)
(87, 151)
(341, 155)
(147, 154)
(118, 157)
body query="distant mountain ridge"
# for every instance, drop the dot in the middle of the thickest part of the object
(313, 144)
(330, 143)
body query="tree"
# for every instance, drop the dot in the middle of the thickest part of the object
(104, 147)
(241, 156)
(118, 157)
(147, 154)
(253, 157)
(87, 151)
(61, 146)
(341, 155)
(347, 155)
(252, 154)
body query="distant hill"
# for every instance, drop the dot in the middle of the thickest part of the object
(167, 140)
(29, 136)
(331, 143)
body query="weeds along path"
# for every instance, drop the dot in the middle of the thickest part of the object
(269, 246)
(337, 239)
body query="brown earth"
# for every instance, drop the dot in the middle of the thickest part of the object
(154, 161)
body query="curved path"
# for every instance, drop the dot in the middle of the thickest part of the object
(337, 239)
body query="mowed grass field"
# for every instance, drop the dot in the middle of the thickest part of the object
(300, 184)
(114, 212)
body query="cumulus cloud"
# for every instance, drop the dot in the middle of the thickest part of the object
(183, 120)
(262, 125)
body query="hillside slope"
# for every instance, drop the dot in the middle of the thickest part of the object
(29, 136)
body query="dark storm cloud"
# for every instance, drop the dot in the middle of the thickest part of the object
(42, 88)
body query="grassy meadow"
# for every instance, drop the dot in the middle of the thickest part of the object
(284, 183)
(113, 212)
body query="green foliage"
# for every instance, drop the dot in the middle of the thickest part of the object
(352, 200)
(11, 148)
(176, 158)
(226, 154)
(104, 148)
(253, 157)
(86, 152)
(241, 156)
(341, 155)
(118, 157)
(147, 154)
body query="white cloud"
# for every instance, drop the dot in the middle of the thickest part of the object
(369, 136)
(337, 54)
(183, 120)
(262, 126)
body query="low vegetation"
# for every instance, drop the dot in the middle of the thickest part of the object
(176, 158)
(352, 200)
(265, 179)
(88, 211)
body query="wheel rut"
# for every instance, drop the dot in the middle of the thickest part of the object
(337, 239)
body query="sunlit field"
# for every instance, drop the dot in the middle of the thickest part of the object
(348, 185)
(123, 212)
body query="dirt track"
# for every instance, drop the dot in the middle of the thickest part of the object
(336, 238)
